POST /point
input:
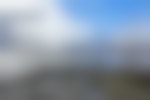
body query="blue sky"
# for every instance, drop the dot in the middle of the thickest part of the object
(108, 14)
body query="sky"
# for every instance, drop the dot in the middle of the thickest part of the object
(95, 16)
(109, 14)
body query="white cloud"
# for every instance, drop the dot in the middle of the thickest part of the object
(53, 24)
(16, 5)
